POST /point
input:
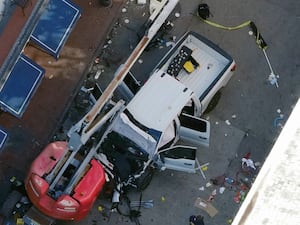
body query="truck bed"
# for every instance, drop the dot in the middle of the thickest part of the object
(210, 63)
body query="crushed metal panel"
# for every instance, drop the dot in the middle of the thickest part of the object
(275, 195)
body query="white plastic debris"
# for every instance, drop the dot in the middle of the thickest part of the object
(227, 122)
(221, 190)
(248, 163)
(278, 110)
(214, 192)
(273, 79)
(98, 74)
(126, 21)
(141, 1)
(257, 164)
(217, 122)
(225, 134)
(124, 10)
(170, 43)
(201, 188)
(177, 15)
(109, 42)
(208, 184)
(140, 61)
(250, 32)
(233, 116)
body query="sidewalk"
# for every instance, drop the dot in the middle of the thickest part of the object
(27, 136)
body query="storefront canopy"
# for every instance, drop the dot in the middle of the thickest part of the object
(20, 85)
(55, 26)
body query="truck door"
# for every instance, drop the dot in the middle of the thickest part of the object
(194, 130)
(179, 158)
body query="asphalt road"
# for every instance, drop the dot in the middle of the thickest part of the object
(246, 117)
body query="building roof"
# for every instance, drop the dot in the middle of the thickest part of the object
(274, 197)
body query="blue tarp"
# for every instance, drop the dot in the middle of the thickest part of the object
(55, 26)
(20, 85)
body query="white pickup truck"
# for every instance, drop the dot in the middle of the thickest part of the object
(166, 109)
(144, 132)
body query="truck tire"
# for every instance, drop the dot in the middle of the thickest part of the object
(10, 202)
(213, 102)
(145, 179)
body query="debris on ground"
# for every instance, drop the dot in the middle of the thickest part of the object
(196, 220)
(212, 196)
(206, 206)
(221, 190)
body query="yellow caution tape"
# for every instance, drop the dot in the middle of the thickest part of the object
(258, 38)
(247, 23)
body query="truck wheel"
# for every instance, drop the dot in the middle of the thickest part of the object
(213, 103)
(145, 179)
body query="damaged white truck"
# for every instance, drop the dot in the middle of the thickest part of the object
(123, 143)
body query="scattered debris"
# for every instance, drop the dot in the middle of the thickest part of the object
(126, 21)
(212, 195)
(196, 220)
(124, 10)
(239, 197)
(218, 180)
(206, 206)
(177, 15)
(146, 204)
(208, 184)
(170, 43)
(201, 188)
(140, 61)
(229, 221)
(97, 60)
(98, 73)
(163, 199)
(141, 2)
(233, 116)
(277, 121)
(221, 190)
(229, 180)
(227, 122)
(248, 164)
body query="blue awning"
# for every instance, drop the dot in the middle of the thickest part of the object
(3, 136)
(55, 26)
(20, 85)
